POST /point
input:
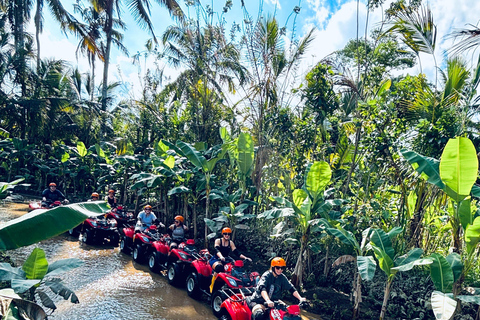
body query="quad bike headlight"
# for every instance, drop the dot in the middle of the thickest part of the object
(94, 223)
(232, 282)
(183, 255)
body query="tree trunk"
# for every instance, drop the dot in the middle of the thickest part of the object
(195, 230)
(386, 296)
(108, 31)
(207, 214)
(357, 294)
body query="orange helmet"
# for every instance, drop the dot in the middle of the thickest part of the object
(52, 184)
(179, 218)
(147, 207)
(95, 195)
(111, 191)
(278, 262)
(226, 230)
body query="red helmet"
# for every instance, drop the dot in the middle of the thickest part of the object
(95, 195)
(226, 230)
(52, 184)
(111, 191)
(147, 207)
(179, 218)
(278, 262)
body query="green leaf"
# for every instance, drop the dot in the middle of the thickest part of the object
(384, 261)
(472, 235)
(344, 236)
(443, 306)
(459, 166)
(64, 265)
(465, 213)
(99, 150)
(318, 177)
(455, 261)
(36, 265)
(245, 153)
(195, 157)
(469, 299)
(39, 225)
(412, 255)
(409, 266)
(441, 273)
(386, 84)
(394, 232)
(382, 240)
(65, 157)
(299, 197)
(7, 272)
(20, 286)
(59, 288)
(177, 190)
(82, 151)
(170, 162)
(366, 267)
(427, 167)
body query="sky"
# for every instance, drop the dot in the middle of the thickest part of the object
(335, 23)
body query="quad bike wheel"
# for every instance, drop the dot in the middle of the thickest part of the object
(88, 237)
(225, 316)
(173, 274)
(138, 253)
(153, 263)
(217, 299)
(124, 245)
(193, 288)
(114, 239)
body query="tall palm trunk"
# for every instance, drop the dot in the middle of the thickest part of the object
(108, 31)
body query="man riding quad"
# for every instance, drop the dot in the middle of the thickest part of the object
(270, 288)
(51, 194)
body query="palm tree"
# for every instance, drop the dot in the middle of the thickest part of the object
(210, 62)
(112, 12)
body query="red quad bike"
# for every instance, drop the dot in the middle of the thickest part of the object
(142, 242)
(99, 229)
(235, 308)
(122, 216)
(234, 279)
(126, 238)
(179, 261)
(158, 253)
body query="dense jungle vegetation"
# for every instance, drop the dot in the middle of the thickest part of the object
(351, 172)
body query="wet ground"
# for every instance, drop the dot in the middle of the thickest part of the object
(110, 285)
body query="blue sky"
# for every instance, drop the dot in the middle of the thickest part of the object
(335, 22)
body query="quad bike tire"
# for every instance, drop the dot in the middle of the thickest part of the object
(225, 316)
(137, 254)
(124, 245)
(173, 274)
(88, 237)
(153, 263)
(217, 299)
(114, 239)
(193, 287)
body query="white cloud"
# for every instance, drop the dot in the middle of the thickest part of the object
(274, 3)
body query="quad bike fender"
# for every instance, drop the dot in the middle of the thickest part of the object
(224, 278)
(202, 268)
(128, 232)
(160, 247)
(237, 310)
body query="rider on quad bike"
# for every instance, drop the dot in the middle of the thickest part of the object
(146, 218)
(51, 194)
(270, 287)
(223, 247)
(177, 230)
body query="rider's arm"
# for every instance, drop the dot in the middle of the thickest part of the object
(217, 249)
(60, 194)
(298, 296)
(267, 298)
(238, 253)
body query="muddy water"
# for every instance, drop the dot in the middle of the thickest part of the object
(110, 285)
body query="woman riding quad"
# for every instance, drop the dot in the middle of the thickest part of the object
(223, 247)
(146, 218)
(270, 288)
(178, 230)
(51, 194)
(112, 201)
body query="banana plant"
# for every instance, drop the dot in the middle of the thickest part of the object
(455, 174)
(35, 271)
(203, 165)
(5, 186)
(366, 264)
(389, 263)
(300, 219)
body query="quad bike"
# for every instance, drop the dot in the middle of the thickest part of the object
(143, 241)
(99, 229)
(179, 260)
(234, 278)
(235, 308)
(122, 216)
(126, 238)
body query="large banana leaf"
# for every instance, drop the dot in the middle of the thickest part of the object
(317, 178)
(41, 224)
(441, 273)
(383, 241)
(472, 235)
(443, 305)
(193, 155)
(459, 167)
(245, 153)
(366, 267)
(427, 167)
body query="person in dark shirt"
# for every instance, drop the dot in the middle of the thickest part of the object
(112, 201)
(51, 194)
(270, 288)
